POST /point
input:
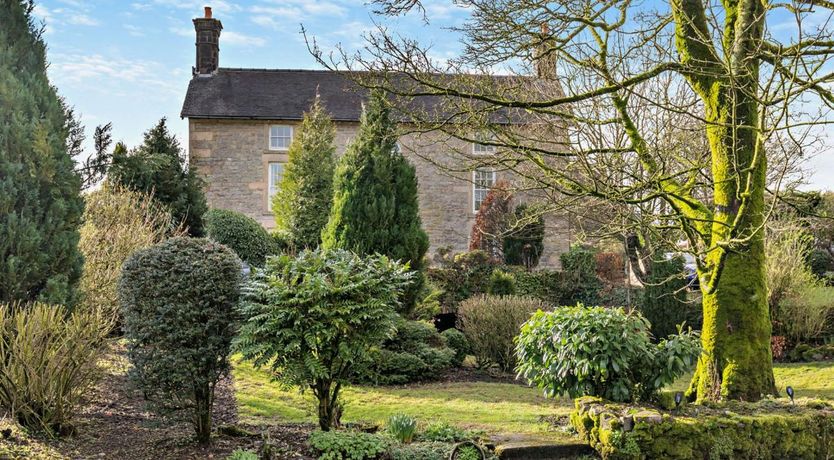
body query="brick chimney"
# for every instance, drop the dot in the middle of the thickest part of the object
(544, 58)
(208, 44)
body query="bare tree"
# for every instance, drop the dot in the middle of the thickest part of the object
(663, 116)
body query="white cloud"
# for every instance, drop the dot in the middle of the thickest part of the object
(237, 39)
(278, 14)
(106, 73)
(134, 30)
(81, 20)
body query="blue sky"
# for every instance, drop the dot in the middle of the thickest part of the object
(129, 62)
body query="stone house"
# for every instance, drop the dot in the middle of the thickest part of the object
(241, 123)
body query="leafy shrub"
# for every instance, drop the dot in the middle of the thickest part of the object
(807, 314)
(117, 222)
(580, 267)
(178, 300)
(549, 286)
(501, 283)
(240, 454)
(444, 432)
(414, 352)
(665, 302)
(460, 276)
(242, 234)
(603, 352)
(420, 451)
(524, 240)
(820, 262)
(457, 341)
(313, 319)
(402, 427)
(428, 302)
(490, 323)
(347, 445)
(48, 362)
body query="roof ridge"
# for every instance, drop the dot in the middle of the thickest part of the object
(245, 69)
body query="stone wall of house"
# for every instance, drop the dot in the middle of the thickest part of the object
(233, 157)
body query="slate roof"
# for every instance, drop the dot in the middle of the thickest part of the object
(285, 94)
(270, 94)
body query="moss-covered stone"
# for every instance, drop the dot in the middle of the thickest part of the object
(768, 429)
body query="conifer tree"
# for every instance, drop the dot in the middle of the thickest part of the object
(40, 202)
(157, 167)
(302, 204)
(375, 203)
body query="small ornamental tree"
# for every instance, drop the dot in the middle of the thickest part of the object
(492, 221)
(312, 319)
(302, 204)
(598, 351)
(158, 167)
(40, 202)
(178, 300)
(242, 234)
(375, 202)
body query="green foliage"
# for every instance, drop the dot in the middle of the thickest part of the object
(580, 267)
(491, 323)
(302, 204)
(524, 242)
(242, 234)
(117, 223)
(501, 283)
(457, 341)
(444, 432)
(348, 445)
(428, 302)
(313, 318)
(240, 454)
(40, 202)
(48, 363)
(468, 452)
(597, 351)
(460, 276)
(157, 167)
(415, 352)
(665, 304)
(178, 301)
(747, 431)
(402, 427)
(820, 262)
(420, 451)
(550, 286)
(375, 202)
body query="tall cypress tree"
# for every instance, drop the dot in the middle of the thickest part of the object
(375, 203)
(40, 202)
(302, 204)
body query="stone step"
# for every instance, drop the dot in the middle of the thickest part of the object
(542, 450)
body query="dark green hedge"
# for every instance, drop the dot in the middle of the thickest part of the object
(242, 234)
(735, 430)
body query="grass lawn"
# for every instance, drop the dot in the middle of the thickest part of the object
(497, 408)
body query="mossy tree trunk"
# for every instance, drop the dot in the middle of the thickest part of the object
(736, 362)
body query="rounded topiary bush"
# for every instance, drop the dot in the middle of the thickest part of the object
(244, 235)
(178, 303)
(598, 351)
(457, 342)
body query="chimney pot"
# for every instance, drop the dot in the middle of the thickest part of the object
(207, 10)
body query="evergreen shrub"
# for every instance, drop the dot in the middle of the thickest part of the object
(240, 233)
(178, 302)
